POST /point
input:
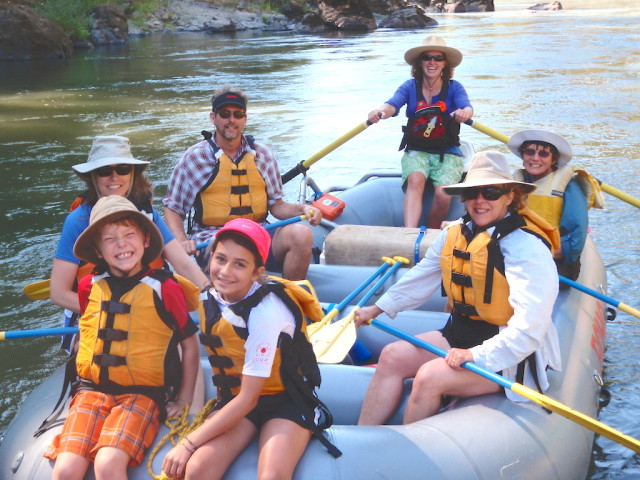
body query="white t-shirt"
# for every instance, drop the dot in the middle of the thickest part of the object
(266, 321)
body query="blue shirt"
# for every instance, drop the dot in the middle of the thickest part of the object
(574, 222)
(78, 220)
(406, 95)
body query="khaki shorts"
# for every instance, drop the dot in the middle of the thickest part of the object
(129, 422)
(445, 172)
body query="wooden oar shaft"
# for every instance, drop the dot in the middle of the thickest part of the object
(611, 301)
(335, 144)
(625, 197)
(522, 390)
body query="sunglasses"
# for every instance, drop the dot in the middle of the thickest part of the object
(488, 193)
(425, 57)
(122, 169)
(227, 113)
(532, 151)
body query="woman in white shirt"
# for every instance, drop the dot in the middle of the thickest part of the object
(495, 264)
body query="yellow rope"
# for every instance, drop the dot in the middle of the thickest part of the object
(179, 427)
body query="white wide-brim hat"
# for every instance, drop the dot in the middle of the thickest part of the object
(108, 150)
(561, 143)
(488, 168)
(438, 44)
(111, 209)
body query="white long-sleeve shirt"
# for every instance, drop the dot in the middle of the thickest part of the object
(533, 288)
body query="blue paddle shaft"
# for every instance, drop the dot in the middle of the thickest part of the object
(41, 332)
(267, 227)
(379, 283)
(589, 291)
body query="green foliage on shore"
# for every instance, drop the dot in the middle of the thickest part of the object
(74, 16)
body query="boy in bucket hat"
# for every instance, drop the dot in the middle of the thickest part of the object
(128, 363)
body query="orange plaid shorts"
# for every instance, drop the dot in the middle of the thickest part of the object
(129, 422)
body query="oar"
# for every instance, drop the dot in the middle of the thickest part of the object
(611, 301)
(526, 392)
(306, 164)
(268, 226)
(625, 197)
(315, 327)
(333, 342)
(38, 290)
(41, 332)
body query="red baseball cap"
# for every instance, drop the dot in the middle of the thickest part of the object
(253, 231)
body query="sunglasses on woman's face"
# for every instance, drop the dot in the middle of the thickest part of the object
(227, 113)
(532, 151)
(123, 169)
(425, 57)
(490, 193)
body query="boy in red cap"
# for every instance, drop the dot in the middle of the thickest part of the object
(254, 333)
(128, 363)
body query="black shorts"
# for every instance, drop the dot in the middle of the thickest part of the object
(279, 405)
(462, 332)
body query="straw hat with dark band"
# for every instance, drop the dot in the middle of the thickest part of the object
(438, 44)
(488, 168)
(111, 209)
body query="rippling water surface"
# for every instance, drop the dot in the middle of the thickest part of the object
(574, 71)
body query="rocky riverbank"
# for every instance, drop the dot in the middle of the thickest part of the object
(25, 35)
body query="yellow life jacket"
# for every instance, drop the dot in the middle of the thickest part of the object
(234, 190)
(129, 340)
(547, 199)
(473, 273)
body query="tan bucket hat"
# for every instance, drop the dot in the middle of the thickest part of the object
(108, 150)
(454, 57)
(488, 168)
(110, 209)
(561, 143)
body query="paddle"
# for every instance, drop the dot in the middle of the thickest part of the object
(41, 332)
(505, 139)
(306, 164)
(611, 301)
(315, 327)
(540, 399)
(268, 226)
(333, 342)
(38, 290)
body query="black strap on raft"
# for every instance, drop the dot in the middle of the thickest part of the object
(533, 365)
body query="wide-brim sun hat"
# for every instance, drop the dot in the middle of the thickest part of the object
(438, 44)
(108, 150)
(488, 168)
(561, 143)
(111, 209)
(253, 231)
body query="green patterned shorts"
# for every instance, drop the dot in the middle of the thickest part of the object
(447, 172)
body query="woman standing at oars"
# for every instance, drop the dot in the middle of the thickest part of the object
(436, 105)
(110, 169)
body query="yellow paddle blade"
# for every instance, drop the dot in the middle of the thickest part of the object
(334, 341)
(579, 418)
(38, 290)
(315, 327)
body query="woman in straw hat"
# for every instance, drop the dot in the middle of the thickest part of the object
(564, 192)
(110, 169)
(436, 105)
(494, 264)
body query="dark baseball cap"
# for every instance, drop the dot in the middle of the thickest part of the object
(228, 98)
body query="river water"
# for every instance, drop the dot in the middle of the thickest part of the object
(574, 71)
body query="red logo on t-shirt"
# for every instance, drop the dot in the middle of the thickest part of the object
(262, 352)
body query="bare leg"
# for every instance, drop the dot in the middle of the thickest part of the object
(282, 443)
(211, 460)
(439, 208)
(416, 182)
(292, 246)
(70, 466)
(435, 379)
(398, 361)
(111, 464)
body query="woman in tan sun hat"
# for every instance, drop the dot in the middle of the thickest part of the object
(564, 194)
(436, 105)
(110, 169)
(495, 264)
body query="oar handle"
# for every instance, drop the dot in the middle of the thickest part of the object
(303, 166)
(611, 301)
(268, 226)
(488, 131)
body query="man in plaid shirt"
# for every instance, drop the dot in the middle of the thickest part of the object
(202, 179)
